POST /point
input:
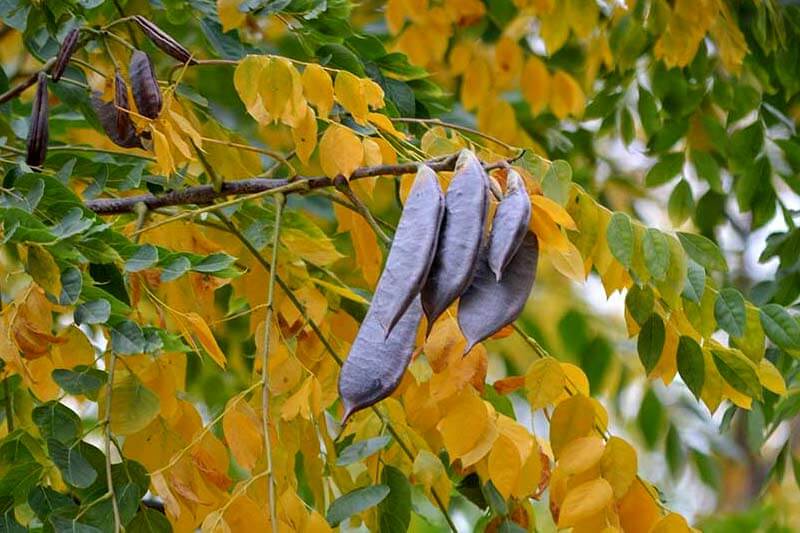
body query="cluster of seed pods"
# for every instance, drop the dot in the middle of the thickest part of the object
(440, 254)
(114, 116)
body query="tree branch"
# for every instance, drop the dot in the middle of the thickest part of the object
(205, 194)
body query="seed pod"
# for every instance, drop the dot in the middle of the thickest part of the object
(466, 206)
(65, 53)
(489, 305)
(38, 134)
(114, 115)
(376, 363)
(510, 224)
(164, 41)
(144, 84)
(413, 249)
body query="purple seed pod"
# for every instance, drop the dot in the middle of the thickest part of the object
(38, 135)
(164, 41)
(144, 85)
(114, 115)
(65, 53)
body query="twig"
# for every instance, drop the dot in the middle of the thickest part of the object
(265, 392)
(458, 127)
(18, 89)
(109, 478)
(206, 194)
(343, 186)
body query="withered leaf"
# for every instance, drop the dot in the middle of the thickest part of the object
(489, 305)
(466, 206)
(413, 248)
(510, 224)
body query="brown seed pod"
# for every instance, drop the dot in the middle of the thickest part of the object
(413, 249)
(38, 134)
(164, 41)
(489, 305)
(144, 85)
(114, 115)
(466, 207)
(510, 224)
(65, 53)
(376, 363)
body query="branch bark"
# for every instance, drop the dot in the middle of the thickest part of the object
(206, 194)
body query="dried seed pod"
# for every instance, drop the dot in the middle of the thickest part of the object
(510, 224)
(466, 206)
(144, 85)
(65, 53)
(413, 249)
(114, 115)
(376, 363)
(489, 305)
(38, 134)
(164, 41)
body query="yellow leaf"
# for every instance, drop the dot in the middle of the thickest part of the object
(427, 468)
(544, 382)
(583, 501)
(505, 465)
(566, 97)
(245, 80)
(340, 151)
(133, 406)
(275, 86)
(637, 509)
(365, 243)
(165, 165)
(243, 434)
(530, 475)
(203, 333)
(507, 61)
(535, 84)
(383, 122)
(319, 251)
(43, 269)
(476, 83)
(466, 422)
(770, 378)
(229, 14)
(582, 16)
(349, 92)
(573, 418)
(342, 291)
(318, 88)
(295, 109)
(183, 124)
(619, 465)
(729, 39)
(555, 27)
(568, 262)
(547, 231)
(305, 135)
(486, 441)
(581, 454)
(373, 93)
(306, 402)
(372, 153)
(672, 523)
(576, 380)
(556, 213)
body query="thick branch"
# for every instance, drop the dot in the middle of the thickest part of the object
(205, 194)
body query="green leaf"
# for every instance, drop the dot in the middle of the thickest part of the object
(145, 257)
(695, 281)
(681, 203)
(57, 421)
(134, 406)
(665, 169)
(729, 311)
(44, 500)
(71, 285)
(394, 512)
(75, 469)
(354, 502)
(650, 418)
(640, 301)
(557, 181)
(43, 269)
(780, 327)
(66, 521)
(691, 364)
(176, 268)
(80, 380)
(673, 449)
(707, 168)
(703, 251)
(656, 253)
(361, 449)
(651, 342)
(648, 111)
(94, 312)
(738, 371)
(621, 239)
(127, 338)
(214, 263)
(149, 521)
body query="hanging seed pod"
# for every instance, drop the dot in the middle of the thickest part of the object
(65, 53)
(489, 305)
(412, 252)
(376, 363)
(114, 115)
(466, 206)
(510, 224)
(38, 134)
(144, 85)
(164, 41)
